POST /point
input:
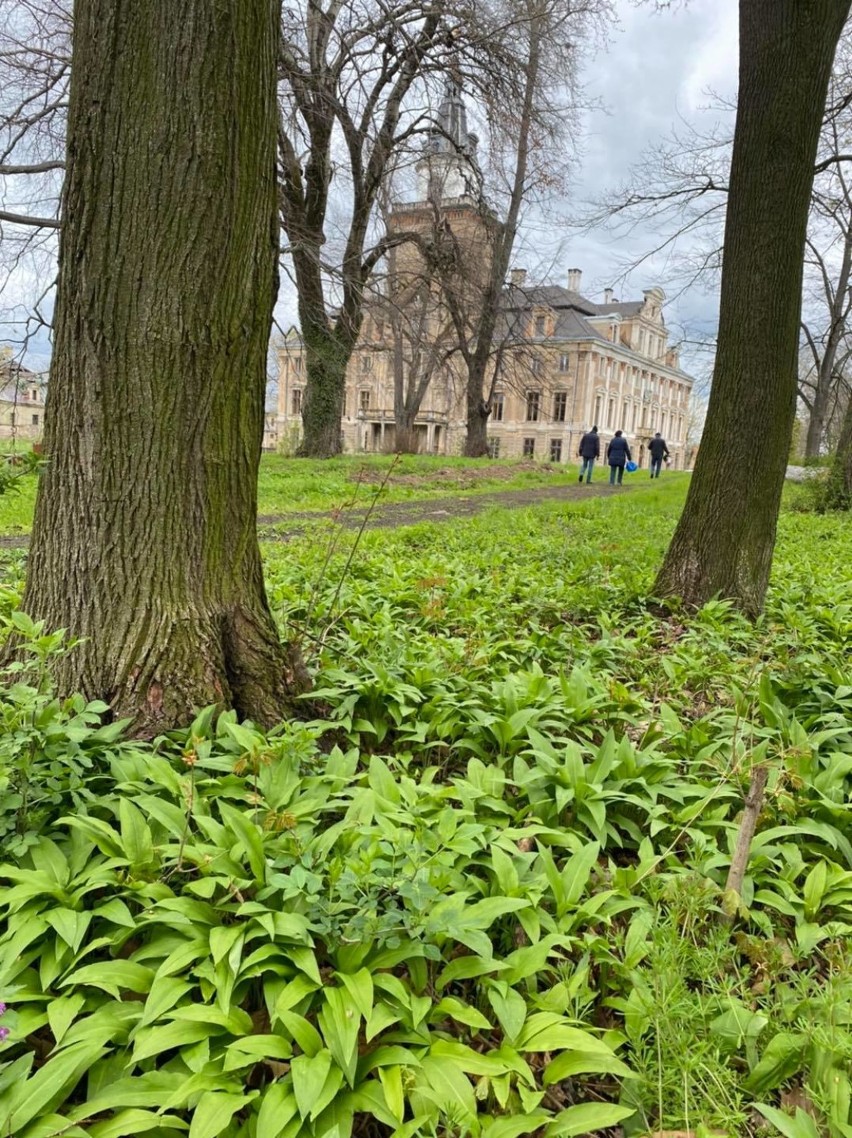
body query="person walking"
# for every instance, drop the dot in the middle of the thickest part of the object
(590, 449)
(658, 451)
(618, 454)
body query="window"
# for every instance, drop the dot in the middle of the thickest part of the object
(296, 401)
(533, 406)
(535, 365)
(529, 448)
(297, 365)
(624, 412)
(563, 362)
(598, 405)
(635, 414)
(539, 326)
(493, 447)
(35, 393)
(497, 407)
(610, 415)
(364, 400)
(556, 450)
(560, 406)
(35, 420)
(366, 363)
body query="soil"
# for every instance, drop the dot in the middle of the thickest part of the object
(466, 477)
(281, 527)
(395, 514)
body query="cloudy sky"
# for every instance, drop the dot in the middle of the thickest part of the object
(658, 69)
(661, 67)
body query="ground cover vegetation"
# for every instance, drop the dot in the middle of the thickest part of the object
(288, 484)
(480, 888)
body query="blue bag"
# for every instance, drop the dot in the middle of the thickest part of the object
(631, 467)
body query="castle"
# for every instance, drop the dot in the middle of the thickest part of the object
(561, 362)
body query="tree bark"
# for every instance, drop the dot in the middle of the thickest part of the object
(478, 401)
(325, 390)
(838, 309)
(724, 540)
(144, 542)
(839, 490)
(476, 440)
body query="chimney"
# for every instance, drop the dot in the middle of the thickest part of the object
(517, 277)
(574, 276)
(607, 296)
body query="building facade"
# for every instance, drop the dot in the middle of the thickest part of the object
(22, 397)
(560, 364)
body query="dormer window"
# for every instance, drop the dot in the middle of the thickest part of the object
(540, 326)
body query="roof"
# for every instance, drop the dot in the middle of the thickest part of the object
(553, 296)
(620, 308)
(571, 325)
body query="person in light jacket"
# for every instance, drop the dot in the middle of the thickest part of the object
(617, 455)
(590, 449)
(658, 450)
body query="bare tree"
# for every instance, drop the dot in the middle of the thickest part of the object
(422, 339)
(839, 490)
(680, 190)
(34, 74)
(528, 110)
(725, 537)
(347, 71)
(828, 260)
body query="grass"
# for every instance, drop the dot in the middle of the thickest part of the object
(287, 485)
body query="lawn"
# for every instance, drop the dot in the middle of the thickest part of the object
(287, 485)
(479, 889)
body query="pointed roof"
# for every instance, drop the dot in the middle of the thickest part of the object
(449, 133)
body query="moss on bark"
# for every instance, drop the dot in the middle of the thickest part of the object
(144, 542)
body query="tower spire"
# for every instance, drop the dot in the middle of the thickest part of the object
(448, 168)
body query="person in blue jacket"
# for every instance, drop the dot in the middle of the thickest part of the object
(617, 455)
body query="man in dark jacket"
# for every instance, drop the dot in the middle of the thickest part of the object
(617, 454)
(590, 449)
(658, 451)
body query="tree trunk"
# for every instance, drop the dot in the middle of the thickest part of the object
(816, 419)
(478, 406)
(325, 392)
(724, 540)
(476, 441)
(839, 494)
(144, 542)
(838, 312)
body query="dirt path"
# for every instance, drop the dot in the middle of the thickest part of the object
(280, 527)
(394, 514)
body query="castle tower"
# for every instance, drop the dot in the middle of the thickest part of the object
(448, 169)
(448, 196)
